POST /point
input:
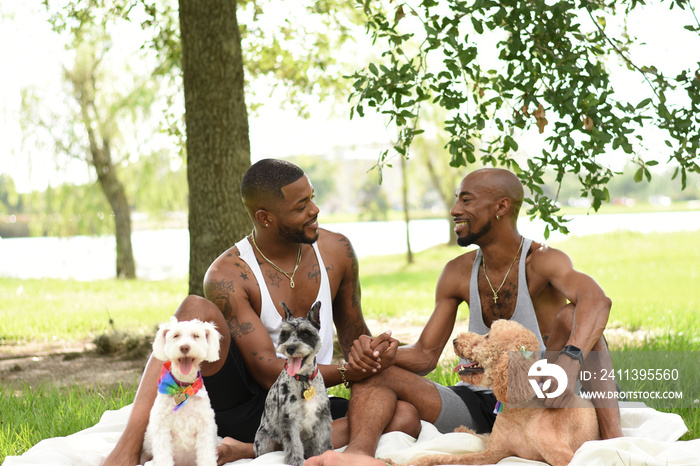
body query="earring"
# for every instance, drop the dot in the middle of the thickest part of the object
(497, 217)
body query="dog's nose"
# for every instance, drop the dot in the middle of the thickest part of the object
(185, 349)
(291, 349)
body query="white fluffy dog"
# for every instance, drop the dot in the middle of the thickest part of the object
(181, 429)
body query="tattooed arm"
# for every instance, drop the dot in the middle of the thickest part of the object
(228, 285)
(347, 311)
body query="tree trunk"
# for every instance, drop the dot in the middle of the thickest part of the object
(446, 199)
(114, 191)
(101, 160)
(404, 195)
(218, 148)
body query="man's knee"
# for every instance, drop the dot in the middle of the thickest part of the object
(196, 307)
(564, 320)
(561, 328)
(406, 419)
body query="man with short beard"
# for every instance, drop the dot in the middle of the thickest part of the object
(506, 277)
(288, 258)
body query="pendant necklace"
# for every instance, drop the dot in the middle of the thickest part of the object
(290, 276)
(483, 262)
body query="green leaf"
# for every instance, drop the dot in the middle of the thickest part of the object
(643, 103)
(511, 143)
(639, 175)
(478, 26)
(373, 69)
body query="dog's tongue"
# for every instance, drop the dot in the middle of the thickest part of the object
(470, 367)
(186, 365)
(293, 366)
(459, 367)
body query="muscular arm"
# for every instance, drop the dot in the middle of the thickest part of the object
(592, 306)
(422, 357)
(347, 311)
(247, 330)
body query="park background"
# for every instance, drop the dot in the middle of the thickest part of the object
(72, 336)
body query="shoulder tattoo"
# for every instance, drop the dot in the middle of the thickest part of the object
(220, 293)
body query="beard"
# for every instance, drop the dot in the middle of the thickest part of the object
(297, 236)
(471, 238)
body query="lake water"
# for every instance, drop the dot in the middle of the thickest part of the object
(163, 254)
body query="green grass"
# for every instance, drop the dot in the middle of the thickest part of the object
(49, 309)
(33, 414)
(652, 280)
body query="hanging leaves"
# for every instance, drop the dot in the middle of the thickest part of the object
(552, 56)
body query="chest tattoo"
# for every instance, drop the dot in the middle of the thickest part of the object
(504, 308)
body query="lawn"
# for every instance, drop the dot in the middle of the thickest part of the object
(652, 280)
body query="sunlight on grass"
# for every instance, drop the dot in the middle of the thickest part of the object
(30, 414)
(50, 309)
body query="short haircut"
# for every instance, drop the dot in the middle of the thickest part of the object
(267, 177)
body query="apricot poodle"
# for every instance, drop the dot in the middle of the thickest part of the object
(525, 428)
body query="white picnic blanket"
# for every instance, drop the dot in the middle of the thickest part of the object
(651, 439)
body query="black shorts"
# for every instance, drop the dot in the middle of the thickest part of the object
(480, 405)
(239, 401)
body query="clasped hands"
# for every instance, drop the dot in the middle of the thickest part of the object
(371, 355)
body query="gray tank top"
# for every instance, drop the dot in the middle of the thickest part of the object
(524, 312)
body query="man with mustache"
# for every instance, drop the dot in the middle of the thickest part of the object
(507, 277)
(287, 257)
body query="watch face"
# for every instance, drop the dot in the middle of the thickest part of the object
(573, 352)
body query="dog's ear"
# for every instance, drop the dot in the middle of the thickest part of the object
(314, 315)
(213, 344)
(518, 387)
(500, 379)
(159, 341)
(287, 313)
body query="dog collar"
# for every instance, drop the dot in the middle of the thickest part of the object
(310, 392)
(169, 385)
(303, 378)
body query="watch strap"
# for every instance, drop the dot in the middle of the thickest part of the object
(573, 352)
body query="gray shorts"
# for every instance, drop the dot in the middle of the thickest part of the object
(463, 406)
(454, 411)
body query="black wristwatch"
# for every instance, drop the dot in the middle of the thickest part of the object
(573, 352)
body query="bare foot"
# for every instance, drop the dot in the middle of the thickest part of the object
(233, 450)
(334, 458)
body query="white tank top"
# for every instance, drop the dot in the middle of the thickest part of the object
(270, 316)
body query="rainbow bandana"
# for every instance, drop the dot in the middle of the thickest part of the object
(168, 385)
(499, 408)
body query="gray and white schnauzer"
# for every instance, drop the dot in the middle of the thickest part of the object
(297, 417)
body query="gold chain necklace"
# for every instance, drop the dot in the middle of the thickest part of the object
(289, 276)
(483, 262)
